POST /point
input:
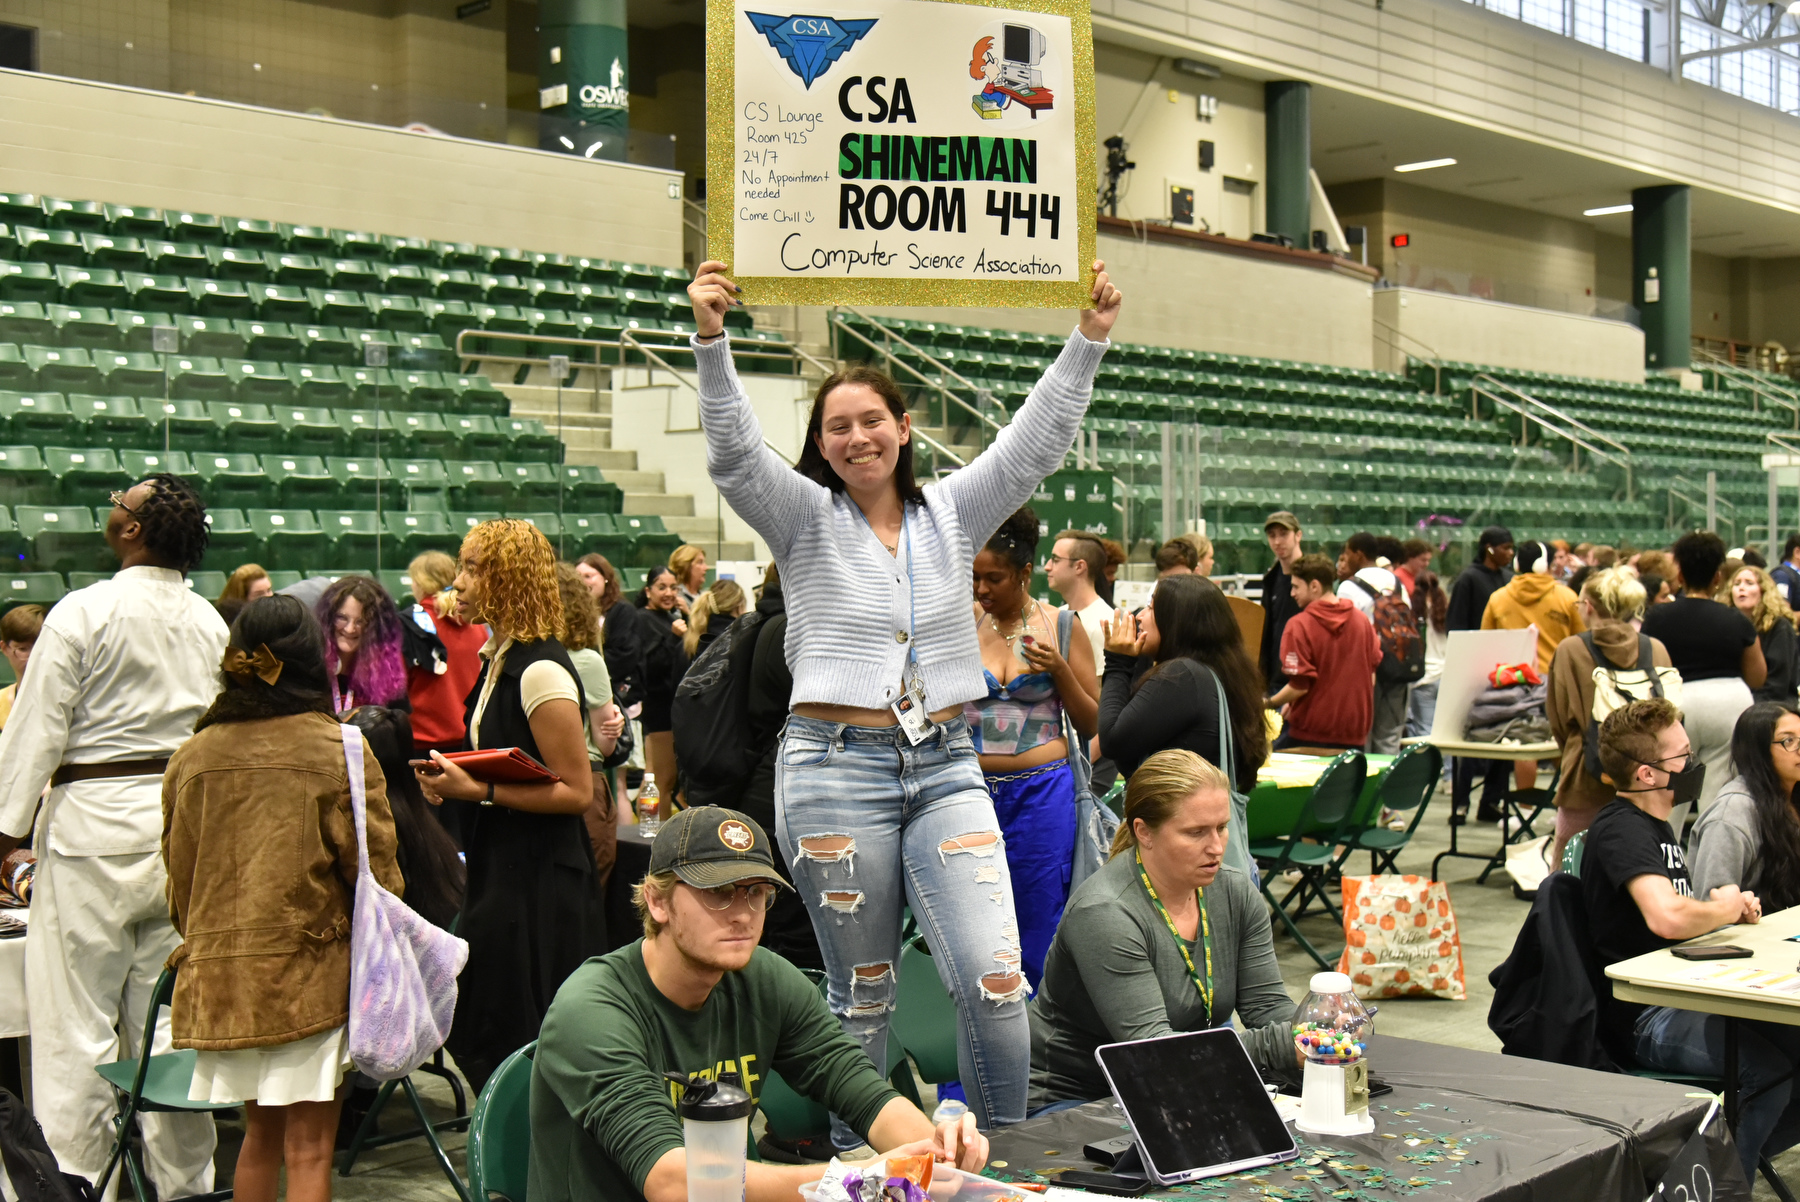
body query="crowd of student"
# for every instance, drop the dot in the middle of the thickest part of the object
(180, 769)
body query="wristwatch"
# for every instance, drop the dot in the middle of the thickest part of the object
(489, 799)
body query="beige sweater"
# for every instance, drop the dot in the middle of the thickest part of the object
(1571, 704)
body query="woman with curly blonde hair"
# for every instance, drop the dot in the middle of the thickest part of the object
(531, 912)
(1754, 593)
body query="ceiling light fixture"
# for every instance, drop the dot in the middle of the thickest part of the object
(1426, 164)
(1606, 210)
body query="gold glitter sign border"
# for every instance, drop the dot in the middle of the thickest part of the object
(721, 191)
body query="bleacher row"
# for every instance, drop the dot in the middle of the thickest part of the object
(70, 538)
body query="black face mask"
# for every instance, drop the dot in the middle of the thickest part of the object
(1685, 784)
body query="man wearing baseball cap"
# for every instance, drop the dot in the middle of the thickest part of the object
(1282, 529)
(698, 997)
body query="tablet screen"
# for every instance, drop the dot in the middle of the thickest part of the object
(1195, 1102)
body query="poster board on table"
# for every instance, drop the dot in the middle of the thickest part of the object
(902, 152)
(1469, 655)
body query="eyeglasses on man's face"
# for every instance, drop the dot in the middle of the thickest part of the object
(117, 497)
(760, 896)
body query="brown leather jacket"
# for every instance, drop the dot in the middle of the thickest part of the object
(260, 846)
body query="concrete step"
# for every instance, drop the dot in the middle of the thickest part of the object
(585, 439)
(570, 420)
(632, 480)
(608, 461)
(666, 504)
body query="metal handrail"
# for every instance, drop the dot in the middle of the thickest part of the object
(1431, 356)
(693, 215)
(1558, 423)
(1760, 389)
(939, 448)
(739, 350)
(627, 338)
(943, 392)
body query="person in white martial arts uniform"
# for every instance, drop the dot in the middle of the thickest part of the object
(120, 674)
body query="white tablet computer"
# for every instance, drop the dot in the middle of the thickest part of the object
(1196, 1105)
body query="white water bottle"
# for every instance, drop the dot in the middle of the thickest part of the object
(649, 807)
(715, 1126)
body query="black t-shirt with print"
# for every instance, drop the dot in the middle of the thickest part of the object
(1625, 843)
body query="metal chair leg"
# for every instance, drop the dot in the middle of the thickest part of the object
(366, 1128)
(122, 1135)
(1767, 1169)
(1294, 930)
(436, 1068)
(430, 1133)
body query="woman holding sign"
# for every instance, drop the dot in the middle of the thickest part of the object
(879, 794)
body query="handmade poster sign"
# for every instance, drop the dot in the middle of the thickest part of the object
(902, 152)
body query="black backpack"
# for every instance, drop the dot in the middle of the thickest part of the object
(1402, 647)
(711, 717)
(32, 1174)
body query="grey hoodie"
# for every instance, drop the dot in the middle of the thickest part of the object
(1723, 846)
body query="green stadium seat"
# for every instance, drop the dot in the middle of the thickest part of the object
(371, 386)
(23, 477)
(508, 260)
(91, 286)
(311, 430)
(478, 437)
(356, 275)
(301, 481)
(308, 239)
(79, 215)
(63, 538)
(199, 378)
(131, 373)
(51, 247)
(426, 391)
(26, 321)
(175, 258)
(154, 293)
(530, 441)
(359, 244)
(207, 584)
(454, 284)
(403, 279)
(359, 477)
(365, 338)
(291, 538)
(651, 542)
(232, 478)
(425, 352)
(253, 234)
(283, 302)
(25, 207)
(257, 382)
(417, 532)
(214, 336)
(598, 299)
(477, 394)
(533, 484)
(465, 522)
(477, 484)
(327, 344)
(585, 533)
(247, 426)
(236, 263)
(189, 425)
(15, 372)
(31, 588)
(355, 534)
(310, 271)
(417, 251)
(63, 368)
(316, 384)
(465, 256)
(138, 464)
(92, 327)
(424, 483)
(640, 276)
(196, 227)
(547, 266)
(116, 252)
(223, 298)
(425, 433)
(83, 475)
(448, 318)
(234, 541)
(115, 421)
(14, 551)
(135, 221)
(400, 313)
(587, 491)
(338, 308)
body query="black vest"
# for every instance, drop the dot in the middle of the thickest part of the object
(503, 723)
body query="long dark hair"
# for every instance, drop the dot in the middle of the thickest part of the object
(813, 464)
(434, 876)
(284, 626)
(1194, 621)
(1429, 602)
(1777, 864)
(651, 577)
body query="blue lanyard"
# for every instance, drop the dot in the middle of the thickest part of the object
(912, 605)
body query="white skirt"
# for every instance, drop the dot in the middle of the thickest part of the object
(307, 1070)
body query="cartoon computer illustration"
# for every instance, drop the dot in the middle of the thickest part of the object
(1009, 72)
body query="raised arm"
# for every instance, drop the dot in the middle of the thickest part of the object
(761, 487)
(1033, 444)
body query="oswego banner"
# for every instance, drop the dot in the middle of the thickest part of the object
(905, 152)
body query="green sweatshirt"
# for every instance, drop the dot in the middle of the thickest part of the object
(602, 1114)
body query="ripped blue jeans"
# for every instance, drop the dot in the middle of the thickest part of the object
(870, 823)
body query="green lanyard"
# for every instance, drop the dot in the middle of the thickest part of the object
(1205, 987)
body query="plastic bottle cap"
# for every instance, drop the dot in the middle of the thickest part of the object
(1329, 982)
(713, 1101)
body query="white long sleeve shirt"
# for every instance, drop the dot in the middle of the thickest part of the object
(121, 671)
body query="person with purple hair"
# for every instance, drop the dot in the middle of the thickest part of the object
(362, 644)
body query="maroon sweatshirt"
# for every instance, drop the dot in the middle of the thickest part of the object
(1331, 648)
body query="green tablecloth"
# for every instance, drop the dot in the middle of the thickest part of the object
(1275, 804)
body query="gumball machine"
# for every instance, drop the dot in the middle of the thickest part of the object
(1332, 1030)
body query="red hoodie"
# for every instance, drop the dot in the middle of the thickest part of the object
(1331, 647)
(438, 701)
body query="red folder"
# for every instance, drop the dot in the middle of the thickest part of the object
(502, 766)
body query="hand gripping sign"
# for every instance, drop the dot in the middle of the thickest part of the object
(922, 152)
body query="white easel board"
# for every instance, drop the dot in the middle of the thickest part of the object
(1469, 656)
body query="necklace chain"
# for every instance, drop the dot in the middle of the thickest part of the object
(1024, 622)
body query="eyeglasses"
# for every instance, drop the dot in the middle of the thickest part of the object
(117, 497)
(1055, 558)
(346, 622)
(1787, 743)
(760, 896)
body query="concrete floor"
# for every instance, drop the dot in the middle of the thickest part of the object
(1488, 917)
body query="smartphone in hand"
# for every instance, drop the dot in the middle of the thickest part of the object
(428, 767)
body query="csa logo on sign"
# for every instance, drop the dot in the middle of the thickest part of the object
(810, 44)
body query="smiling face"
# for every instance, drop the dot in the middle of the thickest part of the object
(347, 626)
(999, 587)
(1150, 636)
(1746, 591)
(661, 592)
(861, 438)
(1189, 848)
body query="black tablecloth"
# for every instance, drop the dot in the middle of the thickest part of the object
(1525, 1129)
(622, 922)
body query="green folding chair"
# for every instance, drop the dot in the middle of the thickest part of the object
(1328, 807)
(151, 1084)
(499, 1151)
(427, 1130)
(1407, 786)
